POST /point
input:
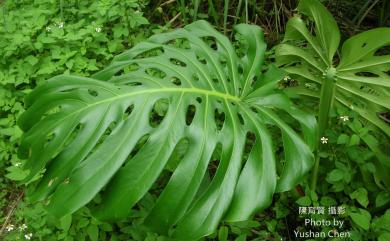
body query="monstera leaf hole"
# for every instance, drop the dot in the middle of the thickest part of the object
(178, 153)
(155, 72)
(219, 117)
(177, 62)
(250, 140)
(73, 134)
(153, 52)
(366, 74)
(93, 93)
(213, 163)
(128, 111)
(158, 112)
(138, 147)
(383, 51)
(191, 109)
(211, 41)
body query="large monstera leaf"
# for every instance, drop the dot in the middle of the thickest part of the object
(360, 80)
(116, 132)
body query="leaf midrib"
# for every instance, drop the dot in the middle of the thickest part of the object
(180, 90)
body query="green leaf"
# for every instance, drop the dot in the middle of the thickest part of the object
(150, 238)
(304, 201)
(65, 222)
(31, 60)
(93, 232)
(327, 31)
(382, 223)
(328, 201)
(109, 134)
(361, 196)
(354, 141)
(223, 233)
(16, 173)
(343, 139)
(83, 222)
(335, 176)
(384, 237)
(382, 199)
(68, 238)
(362, 218)
(242, 237)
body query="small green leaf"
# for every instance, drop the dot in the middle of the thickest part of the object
(68, 238)
(384, 237)
(335, 176)
(31, 60)
(223, 233)
(236, 230)
(361, 196)
(354, 141)
(382, 199)
(362, 218)
(65, 222)
(343, 139)
(114, 238)
(16, 173)
(242, 237)
(83, 222)
(328, 201)
(150, 238)
(304, 201)
(93, 232)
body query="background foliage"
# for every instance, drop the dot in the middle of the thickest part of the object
(43, 38)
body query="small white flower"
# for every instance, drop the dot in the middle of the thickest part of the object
(344, 118)
(17, 164)
(9, 227)
(48, 29)
(98, 29)
(28, 236)
(61, 25)
(23, 227)
(324, 140)
(286, 78)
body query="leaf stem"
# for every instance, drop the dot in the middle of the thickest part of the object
(315, 173)
(326, 100)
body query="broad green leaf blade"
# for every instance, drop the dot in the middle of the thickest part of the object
(298, 156)
(296, 30)
(327, 31)
(290, 54)
(364, 71)
(116, 133)
(361, 49)
(247, 199)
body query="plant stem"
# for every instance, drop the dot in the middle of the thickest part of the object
(315, 172)
(4, 16)
(326, 100)
(225, 14)
(196, 7)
